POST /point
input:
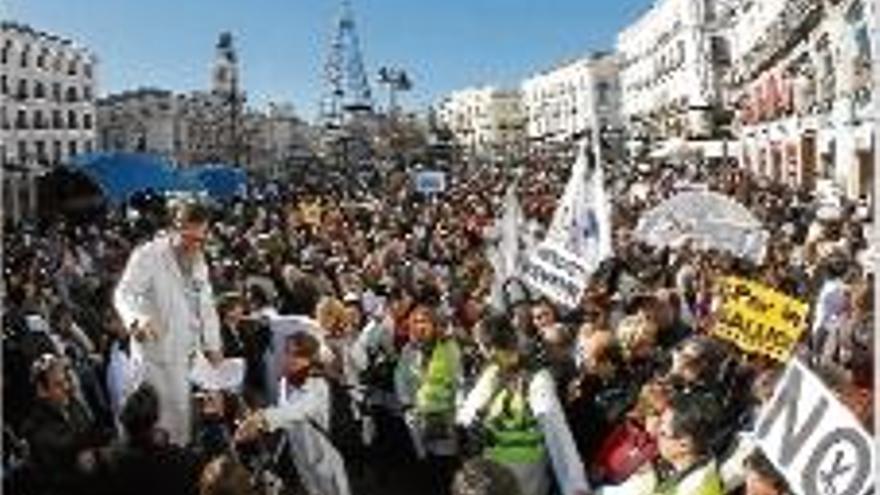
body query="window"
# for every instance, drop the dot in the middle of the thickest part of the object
(71, 120)
(57, 63)
(87, 121)
(603, 90)
(4, 119)
(39, 90)
(71, 94)
(71, 67)
(56, 92)
(22, 150)
(863, 42)
(87, 93)
(40, 151)
(56, 151)
(21, 120)
(89, 146)
(4, 54)
(4, 85)
(22, 89)
(72, 148)
(57, 121)
(38, 120)
(41, 59)
(87, 70)
(25, 56)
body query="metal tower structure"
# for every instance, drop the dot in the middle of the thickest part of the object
(347, 93)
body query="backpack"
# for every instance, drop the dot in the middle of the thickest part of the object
(345, 431)
(627, 448)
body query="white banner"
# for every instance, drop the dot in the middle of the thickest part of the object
(555, 272)
(578, 240)
(706, 219)
(813, 439)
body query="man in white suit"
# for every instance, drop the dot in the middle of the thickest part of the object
(164, 298)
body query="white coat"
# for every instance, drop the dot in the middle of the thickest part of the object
(154, 290)
(564, 457)
(319, 464)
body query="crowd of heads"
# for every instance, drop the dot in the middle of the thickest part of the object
(637, 348)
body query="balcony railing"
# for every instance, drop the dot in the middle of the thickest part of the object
(797, 18)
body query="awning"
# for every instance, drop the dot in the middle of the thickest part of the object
(121, 175)
(218, 180)
(706, 149)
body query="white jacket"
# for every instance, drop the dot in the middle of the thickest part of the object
(564, 457)
(320, 466)
(153, 290)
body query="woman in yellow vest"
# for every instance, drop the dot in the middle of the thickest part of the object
(514, 404)
(427, 382)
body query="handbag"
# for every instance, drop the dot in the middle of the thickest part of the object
(626, 449)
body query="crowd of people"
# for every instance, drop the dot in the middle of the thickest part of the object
(400, 374)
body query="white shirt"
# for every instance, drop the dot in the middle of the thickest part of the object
(320, 466)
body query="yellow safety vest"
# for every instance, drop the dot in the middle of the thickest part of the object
(514, 435)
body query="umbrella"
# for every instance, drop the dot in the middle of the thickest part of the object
(710, 220)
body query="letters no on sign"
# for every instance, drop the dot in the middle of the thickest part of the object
(813, 439)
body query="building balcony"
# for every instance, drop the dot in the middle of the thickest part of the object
(797, 19)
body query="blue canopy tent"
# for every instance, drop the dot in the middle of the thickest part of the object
(121, 175)
(219, 181)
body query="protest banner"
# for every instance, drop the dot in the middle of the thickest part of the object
(758, 319)
(430, 181)
(578, 239)
(555, 273)
(708, 220)
(813, 439)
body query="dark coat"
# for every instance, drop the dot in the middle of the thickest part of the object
(150, 469)
(56, 438)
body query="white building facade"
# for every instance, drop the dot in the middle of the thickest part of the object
(47, 108)
(569, 101)
(142, 120)
(803, 89)
(672, 59)
(486, 122)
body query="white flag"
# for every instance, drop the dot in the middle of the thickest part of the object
(582, 220)
(578, 240)
(505, 257)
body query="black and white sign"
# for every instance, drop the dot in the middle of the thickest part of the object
(813, 439)
(555, 272)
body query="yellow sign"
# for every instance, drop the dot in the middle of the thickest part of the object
(311, 213)
(759, 319)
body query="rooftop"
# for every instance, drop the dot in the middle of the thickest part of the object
(135, 94)
(28, 30)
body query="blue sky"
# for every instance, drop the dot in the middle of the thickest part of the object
(444, 44)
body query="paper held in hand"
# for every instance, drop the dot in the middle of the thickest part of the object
(227, 376)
